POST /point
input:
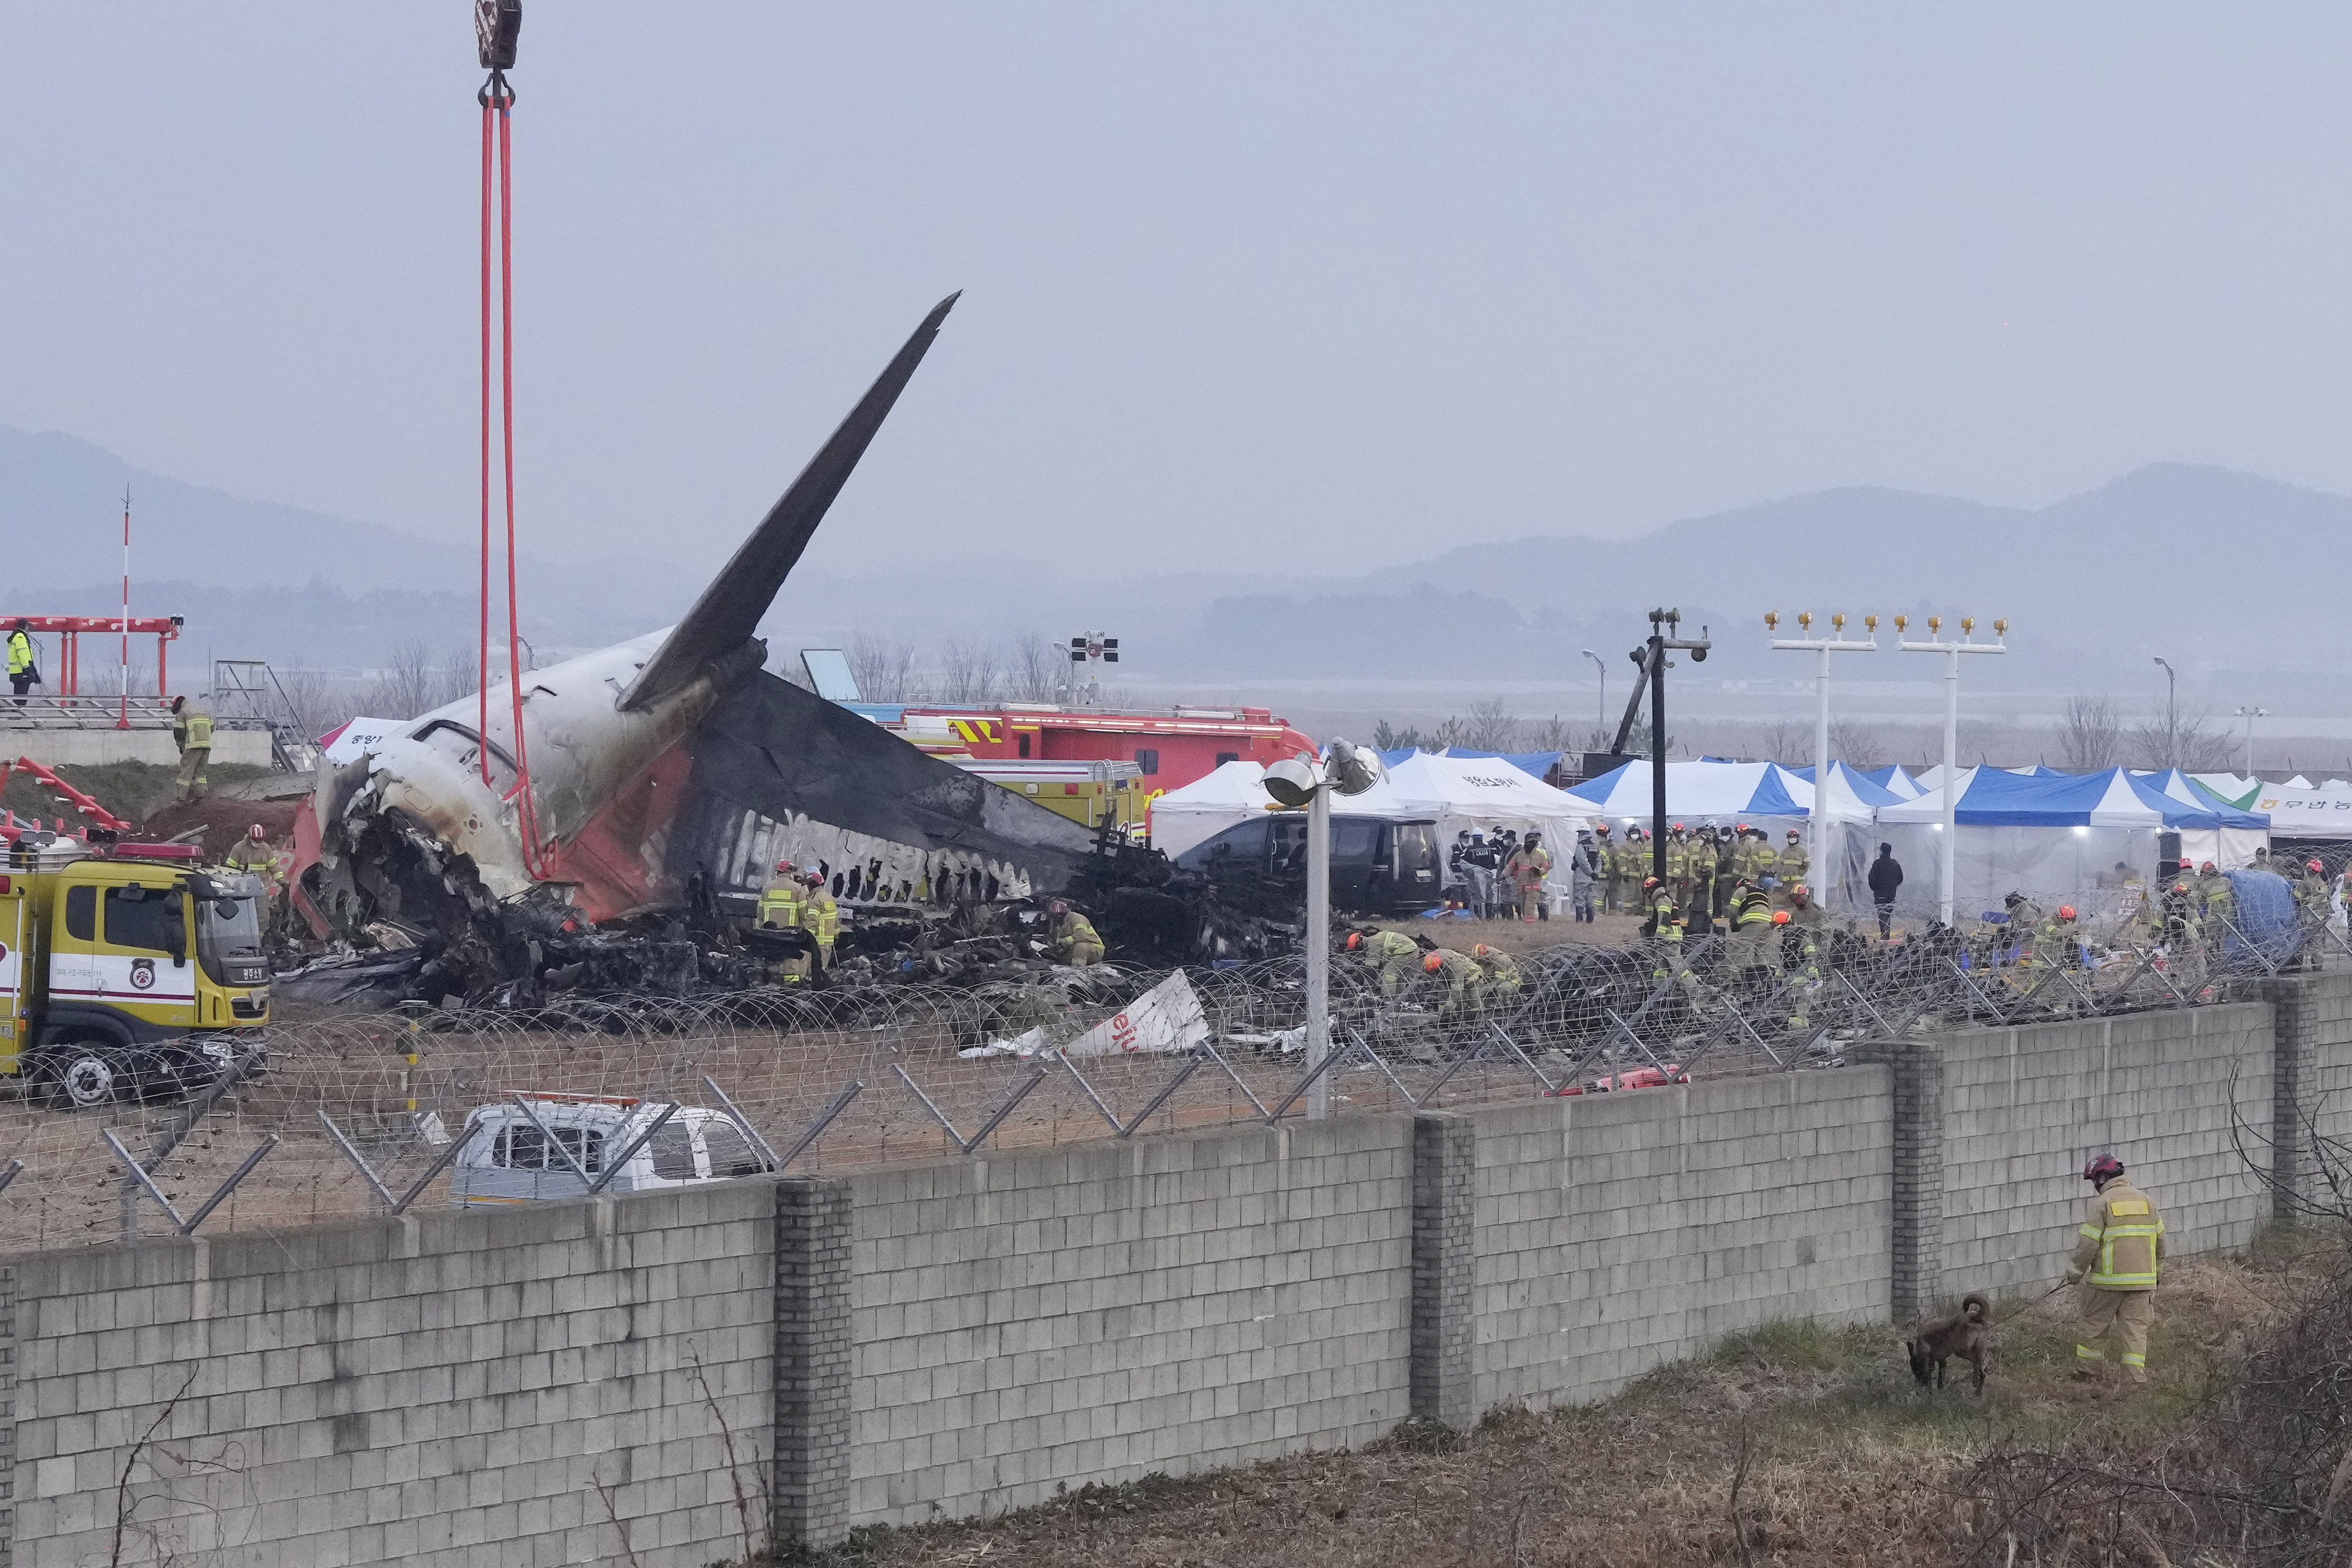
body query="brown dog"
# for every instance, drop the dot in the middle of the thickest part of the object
(1967, 1334)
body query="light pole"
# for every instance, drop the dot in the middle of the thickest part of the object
(1600, 708)
(1952, 652)
(2249, 714)
(1300, 781)
(1093, 647)
(1822, 646)
(2172, 715)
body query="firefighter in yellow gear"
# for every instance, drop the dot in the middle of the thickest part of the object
(1792, 861)
(1505, 979)
(1751, 943)
(1604, 857)
(1466, 982)
(1664, 927)
(1071, 937)
(2118, 1252)
(1391, 955)
(1527, 868)
(821, 918)
(252, 855)
(192, 732)
(1805, 918)
(781, 902)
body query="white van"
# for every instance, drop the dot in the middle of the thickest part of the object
(507, 1159)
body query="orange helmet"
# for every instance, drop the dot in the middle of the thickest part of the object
(1355, 940)
(1482, 951)
(2066, 912)
(1601, 827)
(2183, 887)
(1433, 963)
(785, 867)
(1780, 917)
(1801, 892)
(2314, 867)
(1649, 882)
(1795, 835)
(1743, 827)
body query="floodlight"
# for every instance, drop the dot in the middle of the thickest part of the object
(1291, 783)
(1772, 621)
(1353, 771)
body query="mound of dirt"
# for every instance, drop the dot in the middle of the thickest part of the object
(225, 821)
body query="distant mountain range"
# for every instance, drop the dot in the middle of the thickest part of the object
(2229, 575)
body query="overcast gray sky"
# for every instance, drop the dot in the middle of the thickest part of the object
(1252, 281)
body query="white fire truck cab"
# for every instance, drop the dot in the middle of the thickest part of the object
(509, 1156)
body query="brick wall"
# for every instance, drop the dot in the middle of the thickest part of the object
(452, 1389)
(1100, 1311)
(1619, 1231)
(969, 1335)
(2024, 1108)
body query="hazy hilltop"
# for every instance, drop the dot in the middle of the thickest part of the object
(2209, 567)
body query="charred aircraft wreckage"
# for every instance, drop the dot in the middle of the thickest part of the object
(622, 843)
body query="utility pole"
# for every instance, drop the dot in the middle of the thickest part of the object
(2249, 714)
(1664, 624)
(1952, 652)
(1822, 647)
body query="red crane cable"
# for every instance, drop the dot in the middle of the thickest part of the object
(498, 100)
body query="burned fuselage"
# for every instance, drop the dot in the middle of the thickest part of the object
(667, 771)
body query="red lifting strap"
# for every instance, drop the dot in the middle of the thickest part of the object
(497, 168)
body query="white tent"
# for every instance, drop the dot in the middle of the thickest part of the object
(1487, 795)
(2325, 812)
(1235, 792)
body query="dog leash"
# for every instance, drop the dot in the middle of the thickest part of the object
(2036, 1301)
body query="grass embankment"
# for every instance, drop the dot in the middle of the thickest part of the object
(131, 790)
(1838, 1458)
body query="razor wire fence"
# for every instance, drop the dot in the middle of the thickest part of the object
(344, 1115)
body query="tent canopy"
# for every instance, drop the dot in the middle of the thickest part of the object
(1235, 791)
(1715, 792)
(1537, 764)
(1474, 793)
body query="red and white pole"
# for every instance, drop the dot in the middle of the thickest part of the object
(124, 721)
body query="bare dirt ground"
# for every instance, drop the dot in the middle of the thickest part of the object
(1791, 1445)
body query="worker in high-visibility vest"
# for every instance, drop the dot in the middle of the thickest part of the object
(821, 918)
(2118, 1252)
(192, 732)
(22, 672)
(253, 855)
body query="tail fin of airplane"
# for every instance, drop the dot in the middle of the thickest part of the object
(727, 613)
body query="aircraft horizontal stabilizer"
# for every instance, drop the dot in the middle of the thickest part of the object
(728, 613)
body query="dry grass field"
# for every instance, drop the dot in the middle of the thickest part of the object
(1791, 1444)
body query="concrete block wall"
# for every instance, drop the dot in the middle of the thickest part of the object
(1619, 1231)
(1100, 1311)
(2024, 1107)
(469, 1389)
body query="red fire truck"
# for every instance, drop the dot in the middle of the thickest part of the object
(1170, 747)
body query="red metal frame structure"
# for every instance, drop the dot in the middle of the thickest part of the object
(69, 629)
(93, 812)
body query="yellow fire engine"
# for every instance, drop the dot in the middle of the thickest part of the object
(126, 971)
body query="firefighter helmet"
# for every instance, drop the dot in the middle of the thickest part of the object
(1355, 940)
(1482, 951)
(1649, 882)
(2102, 1167)
(1799, 893)
(1433, 963)
(1601, 827)
(1795, 835)
(258, 833)
(2205, 870)
(2066, 912)
(1780, 917)
(2314, 867)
